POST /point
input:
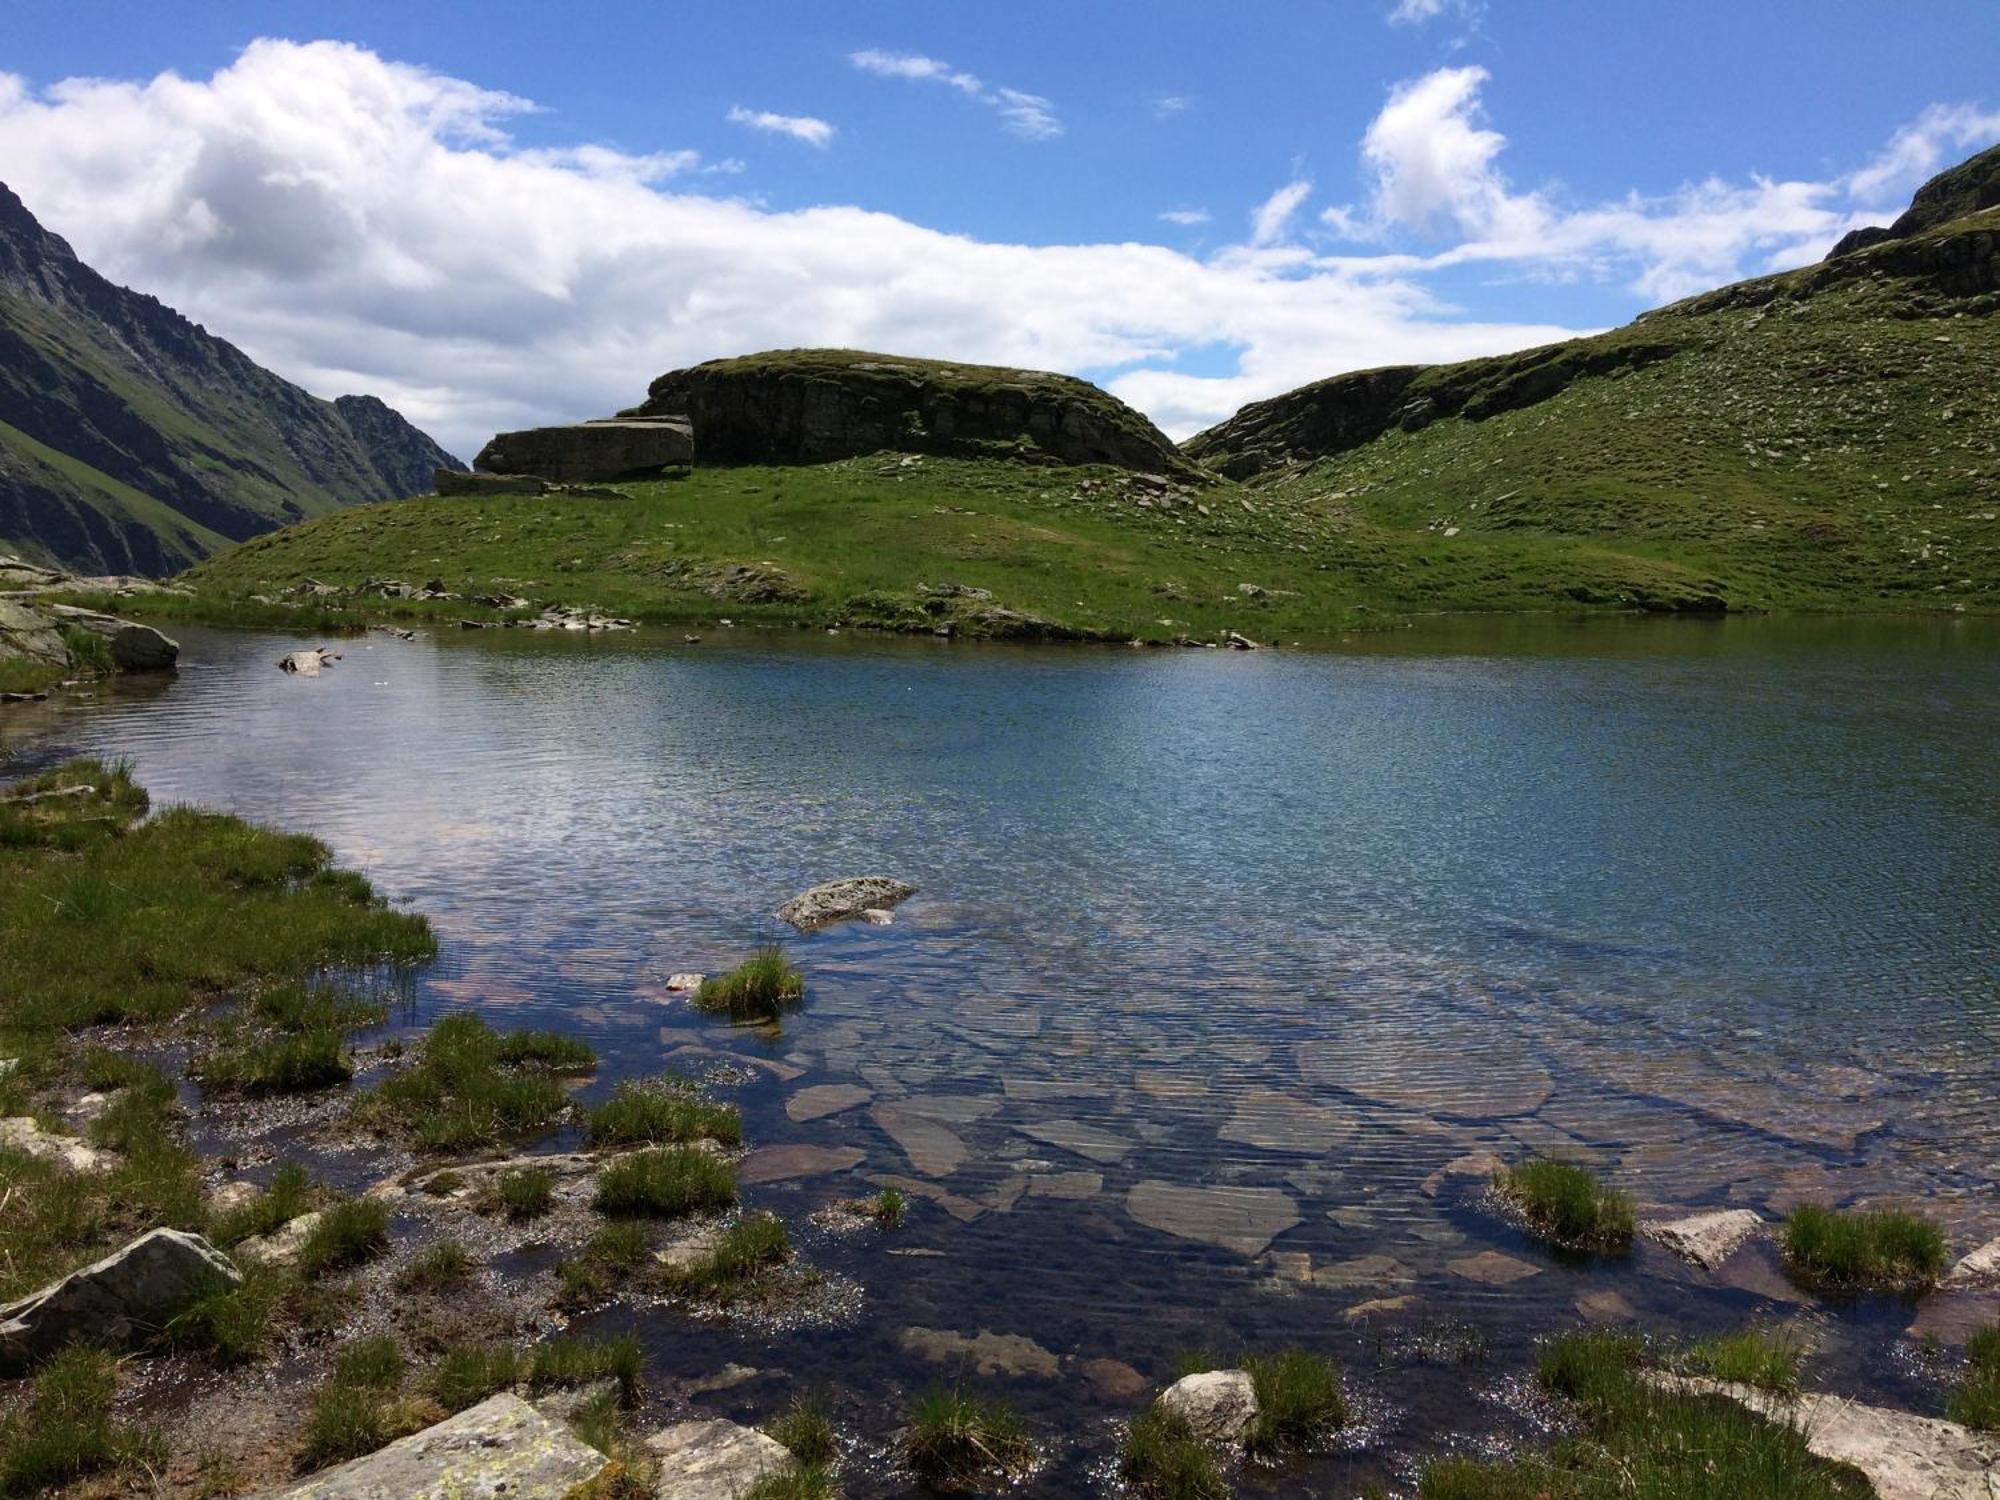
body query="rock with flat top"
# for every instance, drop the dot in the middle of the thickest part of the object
(586, 452)
(134, 647)
(1219, 1405)
(1243, 1219)
(130, 1293)
(1706, 1239)
(843, 901)
(714, 1460)
(501, 1447)
(30, 635)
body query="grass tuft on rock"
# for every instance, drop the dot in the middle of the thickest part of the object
(666, 1111)
(1163, 1459)
(1975, 1401)
(666, 1182)
(63, 1430)
(1752, 1356)
(1847, 1254)
(471, 1086)
(526, 1192)
(754, 1245)
(606, 1259)
(806, 1428)
(955, 1441)
(756, 991)
(1299, 1400)
(350, 1233)
(1566, 1205)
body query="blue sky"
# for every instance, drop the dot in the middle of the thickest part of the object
(1435, 177)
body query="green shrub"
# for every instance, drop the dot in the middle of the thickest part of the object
(1846, 1254)
(956, 1441)
(748, 1248)
(350, 1232)
(1163, 1459)
(1298, 1400)
(526, 1192)
(756, 991)
(1568, 1206)
(1749, 1357)
(666, 1111)
(666, 1182)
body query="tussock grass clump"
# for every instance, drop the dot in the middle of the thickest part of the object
(957, 1441)
(526, 1192)
(472, 1086)
(806, 1482)
(1751, 1356)
(300, 1063)
(578, 1361)
(64, 1430)
(1163, 1459)
(806, 1428)
(1592, 1368)
(300, 1007)
(666, 1182)
(437, 1269)
(1299, 1400)
(359, 1409)
(751, 1246)
(1566, 1205)
(1846, 1254)
(665, 1111)
(1976, 1400)
(889, 1208)
(609, 1256)
(232, 1324)
(289, 1193)
(466, 1374)
(756, 991)
(349, 1233)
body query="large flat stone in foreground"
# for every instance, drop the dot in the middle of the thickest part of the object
(502, 1446)
(714, 1460)
(1243, 1219)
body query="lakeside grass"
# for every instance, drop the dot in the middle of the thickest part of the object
(1850, 1253)
(665, 1182)
(755, 992)
(1566, 1205)
(665, 1111)
(471, 1086)
(1975, 1400)
(749, 1249)
(956, 1441)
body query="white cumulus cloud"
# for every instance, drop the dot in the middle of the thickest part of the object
(813, 132)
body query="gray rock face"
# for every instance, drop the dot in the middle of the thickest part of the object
(1706, 1239)
(134, 647)
(1980, 1269)
(503, 1446)
(843, 901)
(130, 1292)
(456, 482)
(1218, 1404)
(30, 635)
(589, 451)
(714, 1460)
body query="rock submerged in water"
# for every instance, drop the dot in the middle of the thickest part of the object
(502, 1446)
(843, 901)
(131, 1292)
(307, 663)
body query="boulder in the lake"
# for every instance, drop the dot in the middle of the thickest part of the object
(843, 901)
(128, 1294)
(715, 1460)
(307, 663)
(1707, 1239)
(501, 1447)
(585, 452)
(1219, 1405)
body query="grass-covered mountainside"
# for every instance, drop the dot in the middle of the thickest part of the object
(133, 441)
(1821, 439)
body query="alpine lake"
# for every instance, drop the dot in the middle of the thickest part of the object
(1225, 972)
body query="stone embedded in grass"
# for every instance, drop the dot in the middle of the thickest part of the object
(282, 1245)
(715, 1459)
(129, 1294)
(1218, 1406)
(21, 1133)
(500, 1446)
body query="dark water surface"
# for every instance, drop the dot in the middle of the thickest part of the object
(1712, 906)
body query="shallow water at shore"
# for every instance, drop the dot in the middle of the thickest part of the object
(1218, 961)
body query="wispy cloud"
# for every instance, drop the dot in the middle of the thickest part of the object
(813, 132)
(1029, 116)
(1187, 217)
(1415, 12)
(1166, 106)
(1271, 218)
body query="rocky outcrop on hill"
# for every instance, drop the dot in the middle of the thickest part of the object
(589, 452)
(813, 405)
(33, 629)
(1965, 189)
(135, 441)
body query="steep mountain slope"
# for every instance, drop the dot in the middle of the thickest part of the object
(133, 441)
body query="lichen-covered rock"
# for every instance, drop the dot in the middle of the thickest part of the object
(585, 452)
(131, 1292)
(812, 405)
(714, 1460)
(503, 1446)
(30, 635)
(1218, 1404)
(843, 901)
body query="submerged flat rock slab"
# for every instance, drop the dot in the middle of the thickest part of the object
(1475, 1075)
(503, 1446)
(844, 901)
(785, 1163)
(1706, 1239)
(1272, 1121)
(986, 1352)
(130, 1292)
(1904, 1456)
(1084, 1139)
(714, 1460)
(1242, 1219)
(823, 1099)
(933, 1149)
(1491, 1268)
